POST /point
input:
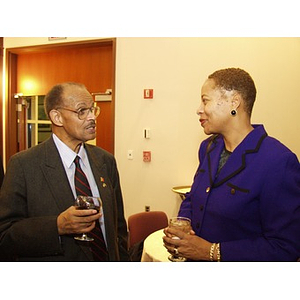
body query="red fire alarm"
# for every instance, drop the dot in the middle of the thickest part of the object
(148, 94)
(146, 156)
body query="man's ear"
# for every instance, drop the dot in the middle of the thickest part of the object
(56, 117)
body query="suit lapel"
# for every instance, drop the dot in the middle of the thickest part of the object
(214, 149)
(99, 170)
(56, 177)
(237, 161)
(104, 184)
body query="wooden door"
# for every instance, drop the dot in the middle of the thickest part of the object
(1, 99)
(39, 68)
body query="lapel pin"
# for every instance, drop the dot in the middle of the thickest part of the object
(103, 183)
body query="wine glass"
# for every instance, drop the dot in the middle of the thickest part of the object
(183, 224)
(87, 202)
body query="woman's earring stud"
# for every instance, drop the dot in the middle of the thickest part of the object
(233, 112)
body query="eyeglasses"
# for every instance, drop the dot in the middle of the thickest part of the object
(84, 112)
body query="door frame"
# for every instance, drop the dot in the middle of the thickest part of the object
(1, 96)
(11, 138)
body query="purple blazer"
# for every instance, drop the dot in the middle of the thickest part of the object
(253, 206)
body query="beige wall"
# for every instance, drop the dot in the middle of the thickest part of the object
(176, 68)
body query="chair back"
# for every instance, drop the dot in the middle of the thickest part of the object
(142, 224)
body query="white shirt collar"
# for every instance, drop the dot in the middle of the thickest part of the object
(67, 154)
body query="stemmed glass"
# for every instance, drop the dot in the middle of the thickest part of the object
(183, 224)
(87, 202)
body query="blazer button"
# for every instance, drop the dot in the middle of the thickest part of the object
(232, 191)
(207, 189)
(201, 207)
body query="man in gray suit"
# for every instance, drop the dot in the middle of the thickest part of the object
(38, 220)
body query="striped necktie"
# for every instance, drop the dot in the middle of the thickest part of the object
(82, 187)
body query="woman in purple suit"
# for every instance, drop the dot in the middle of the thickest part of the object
(244, 203)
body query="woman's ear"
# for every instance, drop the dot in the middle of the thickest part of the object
(56, 117)
(236, 101)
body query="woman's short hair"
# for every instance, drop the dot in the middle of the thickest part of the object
(235, 79)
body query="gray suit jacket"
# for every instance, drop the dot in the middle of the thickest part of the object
(36, 190)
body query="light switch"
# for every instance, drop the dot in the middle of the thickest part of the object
(146, 133)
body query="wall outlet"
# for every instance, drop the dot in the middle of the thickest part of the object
(130, 154)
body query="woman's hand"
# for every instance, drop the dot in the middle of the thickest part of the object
(188, 245)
